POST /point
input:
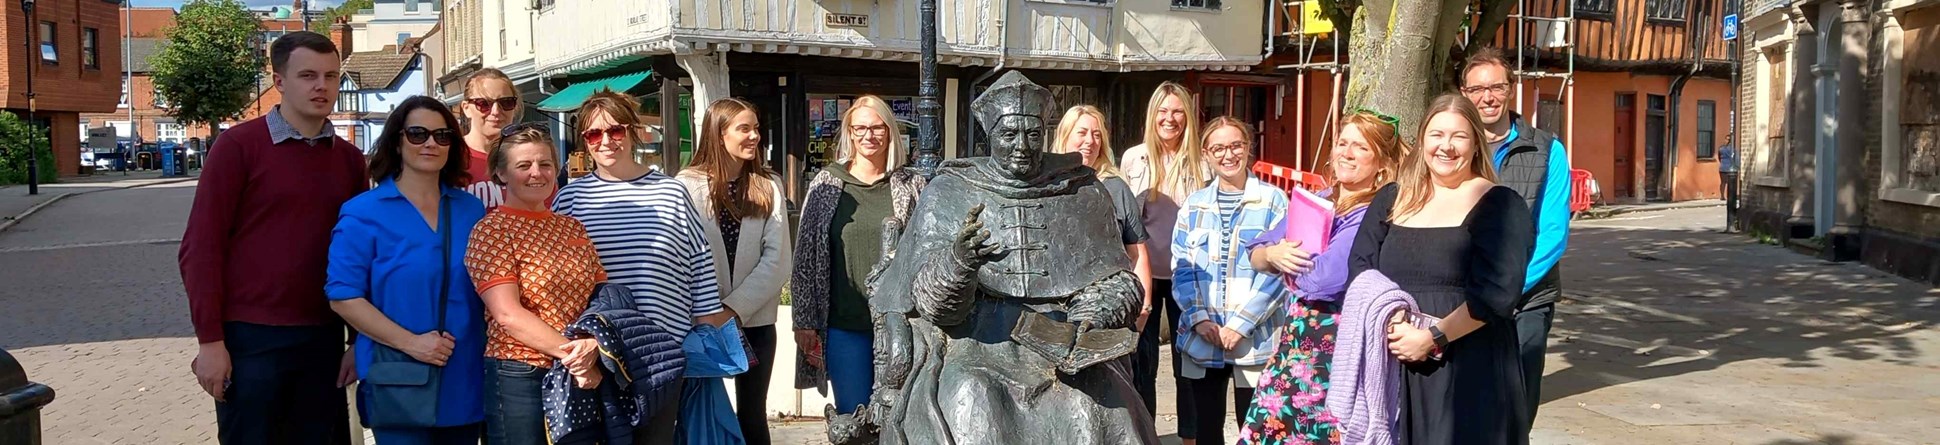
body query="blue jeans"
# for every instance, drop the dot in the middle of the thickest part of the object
(850, 357)
(449, 435)
(514, 414)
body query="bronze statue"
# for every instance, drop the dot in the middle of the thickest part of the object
(1003, 315)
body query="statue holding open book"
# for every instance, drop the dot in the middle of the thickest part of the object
(1003, 315)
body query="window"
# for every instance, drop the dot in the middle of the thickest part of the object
(160, 101)
(1195, 4)
(49, 53)
(1665, 10)
(90, 48)
(171, 132)
(1601, 9)
(410, 5)
(1707, 129)
(1776, 151)
(349, 101)
(401, 37)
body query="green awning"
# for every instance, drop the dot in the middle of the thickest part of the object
(569, 99)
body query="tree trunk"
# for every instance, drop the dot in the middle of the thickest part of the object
(1400, 54)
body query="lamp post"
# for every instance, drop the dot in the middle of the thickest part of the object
(33, 59)
(929, 122)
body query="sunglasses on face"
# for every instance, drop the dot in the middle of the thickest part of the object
(504, 103)
(593, 136)
(417, 135)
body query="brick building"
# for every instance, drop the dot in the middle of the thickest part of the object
(76, 71)
(1842, 142)
(151, 120)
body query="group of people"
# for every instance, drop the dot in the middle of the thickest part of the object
(454, 245)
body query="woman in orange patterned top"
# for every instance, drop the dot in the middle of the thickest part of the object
(536, 271)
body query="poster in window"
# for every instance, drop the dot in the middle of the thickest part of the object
(904, 109)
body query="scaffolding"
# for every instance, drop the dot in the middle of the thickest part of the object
(1307, 44)
(1551, 34)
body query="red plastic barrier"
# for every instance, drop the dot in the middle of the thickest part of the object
(1287, 178)
(1580, 185)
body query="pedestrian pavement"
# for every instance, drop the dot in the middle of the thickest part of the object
(1606, 211)
(16, 204)
(1670, 333)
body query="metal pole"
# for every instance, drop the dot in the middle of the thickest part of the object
(33, 56)
(128, 82)
(929, 122)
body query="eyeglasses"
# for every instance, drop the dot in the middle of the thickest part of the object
(504, 104)
(1384, 117)
(1220, 150)
(1500, 89)
(876, 129)
(592, 136)
(417, 135)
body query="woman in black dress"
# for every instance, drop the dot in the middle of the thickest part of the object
(1459, 243)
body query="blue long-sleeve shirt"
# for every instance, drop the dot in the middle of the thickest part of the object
(1551, 212)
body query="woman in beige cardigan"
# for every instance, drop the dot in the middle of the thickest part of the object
(745, 215)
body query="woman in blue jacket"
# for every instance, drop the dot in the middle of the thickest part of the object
(397, 251)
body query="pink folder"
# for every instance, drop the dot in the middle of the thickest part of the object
(1310, 220)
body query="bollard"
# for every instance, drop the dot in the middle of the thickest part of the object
(20, 402)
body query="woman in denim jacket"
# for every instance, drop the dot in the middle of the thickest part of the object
(1225, 332)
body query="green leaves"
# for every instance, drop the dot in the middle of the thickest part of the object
(212, 62)
(14, 137)
(344, 10)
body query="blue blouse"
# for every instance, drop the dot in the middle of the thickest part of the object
(383, 250)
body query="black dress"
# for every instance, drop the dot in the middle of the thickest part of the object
(1474, 393)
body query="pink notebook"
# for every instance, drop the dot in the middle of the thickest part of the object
(1310, 220)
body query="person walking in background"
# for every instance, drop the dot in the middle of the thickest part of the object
(491, 103)
(745, 215)
(254, 256)
(647, 233)
(840, 242)
(1534, 164)
(1728, 180)
(1162, 171)
(1288, 405)
(1083, 131)
(1230, 308)
(397, 274)
(535, 272)
(1459, 244)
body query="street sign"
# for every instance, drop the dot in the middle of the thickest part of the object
(1731, 27)
(1314, 19)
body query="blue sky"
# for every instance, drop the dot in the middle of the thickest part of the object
(253, 4)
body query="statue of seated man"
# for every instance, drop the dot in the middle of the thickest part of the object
(1004, 314)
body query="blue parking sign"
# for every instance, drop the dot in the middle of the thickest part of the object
(1731, 27)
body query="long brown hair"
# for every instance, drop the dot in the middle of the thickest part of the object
(1384, 139)
(711, 159)
(387, 154)
(1417, 182)
(1104, 163)
(1187, 172)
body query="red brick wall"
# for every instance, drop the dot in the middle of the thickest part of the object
(149, 22)
(68, 88)
(145, 112)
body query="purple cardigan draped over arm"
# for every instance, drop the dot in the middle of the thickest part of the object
(1328, 279)
(1365, 393)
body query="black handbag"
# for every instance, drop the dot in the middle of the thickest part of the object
(399, 391)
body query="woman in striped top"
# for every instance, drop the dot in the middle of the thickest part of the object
(648, 236)
(1230, 309)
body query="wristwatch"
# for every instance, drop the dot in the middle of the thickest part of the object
(1441, 340)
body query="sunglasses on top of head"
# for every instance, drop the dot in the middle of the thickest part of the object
(417, 135)
(503, 103)
(614, 133)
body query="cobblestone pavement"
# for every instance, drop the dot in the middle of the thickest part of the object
(1672, 333)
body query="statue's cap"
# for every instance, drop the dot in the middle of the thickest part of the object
(1013, 94)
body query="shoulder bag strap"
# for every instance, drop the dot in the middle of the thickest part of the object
(444, 273)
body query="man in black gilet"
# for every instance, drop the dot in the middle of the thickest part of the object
(1532, 162)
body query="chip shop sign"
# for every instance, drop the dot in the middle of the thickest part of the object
(834, 20)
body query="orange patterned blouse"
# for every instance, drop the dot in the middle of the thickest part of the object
(551, 260)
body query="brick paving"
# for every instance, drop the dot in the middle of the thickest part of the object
(1673, 333)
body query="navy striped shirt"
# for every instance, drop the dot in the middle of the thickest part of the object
(651, 241)
(1228, 212)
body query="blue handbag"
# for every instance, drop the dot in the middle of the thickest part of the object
(399, 391)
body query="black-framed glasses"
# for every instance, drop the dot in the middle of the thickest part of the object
(1236, 147)
(417, 135)
(504, 104)
(1384, 117)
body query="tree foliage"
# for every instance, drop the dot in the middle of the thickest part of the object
(1403, 51)
(15, 135)
(341, 11)
(210, 67)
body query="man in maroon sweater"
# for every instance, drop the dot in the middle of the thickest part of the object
(253, 259)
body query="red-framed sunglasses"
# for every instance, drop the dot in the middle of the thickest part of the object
(505, 104)
(596, 136)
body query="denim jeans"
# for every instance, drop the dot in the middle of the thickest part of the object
(1145, 373)
(852, 367)
(1532, 332)
(449, 435)
(514, 411)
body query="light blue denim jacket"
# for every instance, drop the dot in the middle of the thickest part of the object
(1230, 294)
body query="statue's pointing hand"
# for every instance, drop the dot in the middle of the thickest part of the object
(973, 248)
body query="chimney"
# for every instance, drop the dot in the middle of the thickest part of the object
(340, 35)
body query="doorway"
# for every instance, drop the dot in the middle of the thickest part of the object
(1623, 146)
(1654, 155)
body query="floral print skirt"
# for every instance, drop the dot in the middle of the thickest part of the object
(1289, 406)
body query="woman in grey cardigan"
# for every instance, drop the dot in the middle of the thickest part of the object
(840, 241)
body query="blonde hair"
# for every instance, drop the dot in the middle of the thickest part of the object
(1105, 163)
(1187, 172)
(845, 141)
(712, 159)
(1384, 139)
(1417, 183)
(1246, 132)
